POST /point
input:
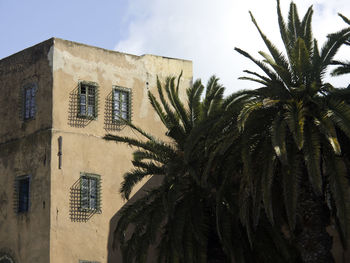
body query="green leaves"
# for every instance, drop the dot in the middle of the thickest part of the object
(307, 121)
(312, 157)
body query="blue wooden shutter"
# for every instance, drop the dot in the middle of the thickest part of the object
(84, 192)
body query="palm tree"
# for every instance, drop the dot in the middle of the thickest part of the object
(177, 215)
(291, 127)
(193, 214)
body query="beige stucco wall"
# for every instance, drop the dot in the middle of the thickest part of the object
(25, 150)
(84, 150)
(26, 235)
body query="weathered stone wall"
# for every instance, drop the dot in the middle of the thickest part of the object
(25, 150)
(29, 66)
(26, 234)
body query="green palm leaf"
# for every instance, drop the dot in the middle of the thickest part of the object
(290, 181)
(340, 191)
(312, 157)
(295, 118)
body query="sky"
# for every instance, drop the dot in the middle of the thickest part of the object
(204, 31)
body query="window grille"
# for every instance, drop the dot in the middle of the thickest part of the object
(29, 103)
(6, 259)
(23, 186)
(90, 192)
(87, 100)
(121, 104)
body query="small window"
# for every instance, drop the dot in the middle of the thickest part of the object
(23, 184)
(87, 100)
(87, 261)
(90, 192)
(121, 104)
(29, 104)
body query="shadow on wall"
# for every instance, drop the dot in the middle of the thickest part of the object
(114, 253)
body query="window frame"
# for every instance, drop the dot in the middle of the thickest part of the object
(128, 103)
(30, 109)
(87, 85)
(82, 206)
(19, 208)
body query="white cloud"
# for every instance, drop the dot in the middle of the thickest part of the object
(206, 32)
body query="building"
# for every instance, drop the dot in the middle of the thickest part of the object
(59, 179)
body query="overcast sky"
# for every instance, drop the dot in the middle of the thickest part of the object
(204, 31)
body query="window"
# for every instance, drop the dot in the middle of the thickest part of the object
(90, 192)
(86, 261)
(87, 100)
(23, 183)
(29, 106)
(121, 104)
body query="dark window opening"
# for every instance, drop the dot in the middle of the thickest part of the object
(29, 104)
(23, 194)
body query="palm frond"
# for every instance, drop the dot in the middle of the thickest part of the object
(331, 47)
(130, 179)
(267, 182)
(293, 23)
(339, 185)
(276, 54)
(140, 155)
(346, 20)
(175, 129)
(306, 30)
(273, 76)
(339, 113)
(194, 94)
(312, 157)
(152, 146)
(283, 29)
(295, 118)
(328, 129)
(278, 138)
(343, 69)
(301, 62)
(213, 97)
(248, 109)
(291, 174)
(173, 96)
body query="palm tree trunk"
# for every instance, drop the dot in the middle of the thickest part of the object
(313, 241)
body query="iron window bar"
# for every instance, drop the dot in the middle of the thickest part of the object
(121, 104)
(88, 100)
(29, 101)
(90, 192)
